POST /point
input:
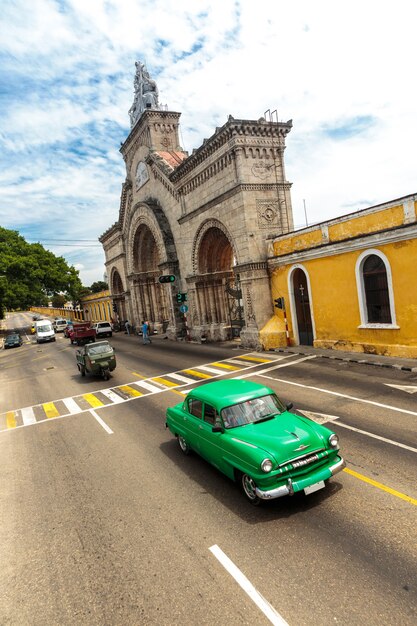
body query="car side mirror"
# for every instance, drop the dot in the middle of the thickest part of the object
(217, 429)
(289, 406)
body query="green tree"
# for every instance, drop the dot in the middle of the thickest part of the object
(30, 273)
(100, 285)
(58, 300)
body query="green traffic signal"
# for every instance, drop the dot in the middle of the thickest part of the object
(169, 278)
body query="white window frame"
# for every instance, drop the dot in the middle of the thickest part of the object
(361, 290)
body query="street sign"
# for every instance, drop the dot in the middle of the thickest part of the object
(183, 308)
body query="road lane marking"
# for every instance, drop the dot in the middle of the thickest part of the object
(101, 422)
(270, 613)
(226, 366)
(332, 393)
(112, 396)
(71, 405)
(406, 388)
(148, 386)
(183, 379)
(133, 393)
(374, 483)
(92, 400)
(164, 382)
(28, 416)
(261, 373)
(205, 368)
(364, 432)
(50, 409)
(11, 419)
(253, 358)
(194, 373)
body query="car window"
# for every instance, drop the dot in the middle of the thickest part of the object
(252, 411)
(195, 407)
(209, 414)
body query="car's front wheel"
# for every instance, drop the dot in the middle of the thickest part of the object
(248, 487)
(185, 448)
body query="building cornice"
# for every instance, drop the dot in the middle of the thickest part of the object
(374, 240)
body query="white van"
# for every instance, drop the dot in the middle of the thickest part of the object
(44, 331)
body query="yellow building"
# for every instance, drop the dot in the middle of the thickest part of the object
(348, 283)
(98, 307)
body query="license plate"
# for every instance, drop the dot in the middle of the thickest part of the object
(313, 488)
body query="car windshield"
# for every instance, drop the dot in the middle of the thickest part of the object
(12, 338)
(99, 349)
(252, 411)
(44, 329)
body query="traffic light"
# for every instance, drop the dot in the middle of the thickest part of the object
(114, 307)
(168, 278)
(181, 297)
(279, 303)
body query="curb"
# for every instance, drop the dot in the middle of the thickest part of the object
(352, 359)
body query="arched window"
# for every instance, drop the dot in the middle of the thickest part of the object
(376, 290)
(376, 296)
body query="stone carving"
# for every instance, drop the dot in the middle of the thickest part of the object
(268, 213)
(146, 93)
(142, 175)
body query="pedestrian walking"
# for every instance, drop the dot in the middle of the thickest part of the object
(127, 326)
(145, 333)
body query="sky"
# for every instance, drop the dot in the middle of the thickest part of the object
(343, 72)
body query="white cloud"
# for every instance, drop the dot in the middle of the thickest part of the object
(66, 79)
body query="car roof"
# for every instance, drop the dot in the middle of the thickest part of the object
(224, 393)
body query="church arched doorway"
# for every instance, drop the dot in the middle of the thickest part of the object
(118, 296)
(302, 307)
(151, 297)
(218, 293)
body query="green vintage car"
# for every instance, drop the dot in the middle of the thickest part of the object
(244, 430)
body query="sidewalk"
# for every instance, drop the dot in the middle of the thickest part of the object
(409, 365)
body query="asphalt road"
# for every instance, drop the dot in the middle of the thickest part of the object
(104, 521)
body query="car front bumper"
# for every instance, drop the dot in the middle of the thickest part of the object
(293, 486)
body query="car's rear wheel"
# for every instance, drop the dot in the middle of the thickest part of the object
(185, 448)
(248, 487)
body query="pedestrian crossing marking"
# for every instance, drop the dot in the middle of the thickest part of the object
(123, 393)
(252, 358)
(227, 366)
(10, 419)
(194, 373)
(130, 391)
(93, 400)
(50, 409)
(165, 382)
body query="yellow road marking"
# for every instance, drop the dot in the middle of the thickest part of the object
(11, 420)
(163, 381)
(393, 492)
(130, 391)
(194, 373)
(138, 375)
(253, 358)
(50, 409)
(180, 393)
(92, 400)
(226, 366)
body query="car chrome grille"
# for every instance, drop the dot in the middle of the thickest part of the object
(298, 460)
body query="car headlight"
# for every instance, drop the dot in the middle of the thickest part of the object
(334, 440)
(266, 465)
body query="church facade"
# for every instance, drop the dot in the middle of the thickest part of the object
(188, 252)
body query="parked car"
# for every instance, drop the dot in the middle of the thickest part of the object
(13, 340)
(81, 333)
(103, 329)
(244, 430)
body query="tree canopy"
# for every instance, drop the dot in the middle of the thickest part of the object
(98, 286)
(31, 275)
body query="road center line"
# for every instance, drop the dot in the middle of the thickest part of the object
(102, 422)
(269, 612)
(374, 483)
